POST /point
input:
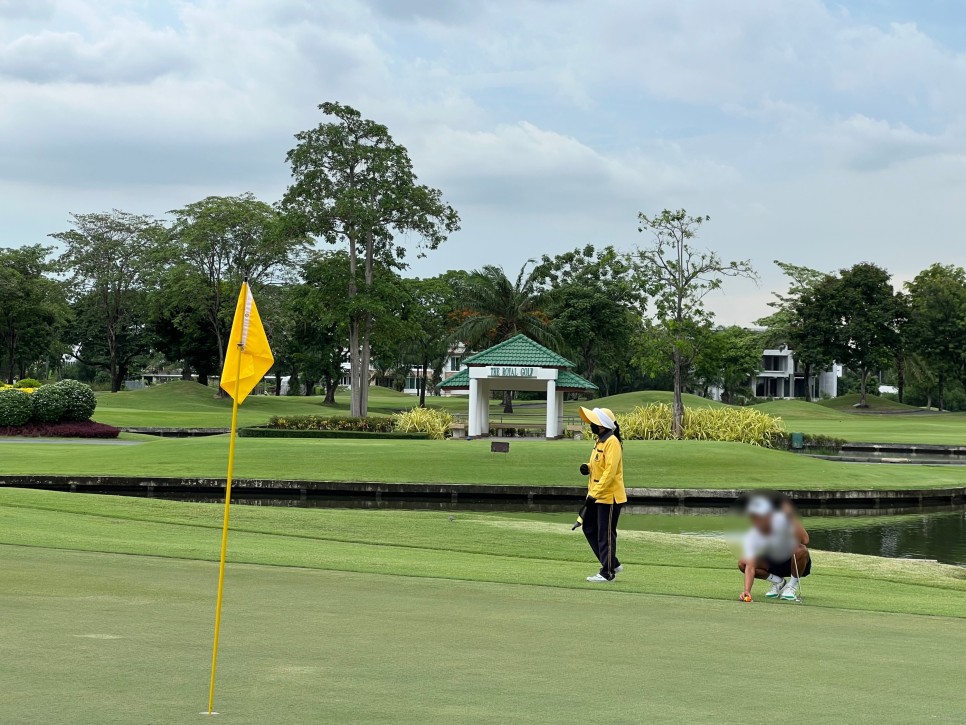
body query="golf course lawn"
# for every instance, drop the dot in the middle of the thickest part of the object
(654, 464)
(363, 616)
(186, 404)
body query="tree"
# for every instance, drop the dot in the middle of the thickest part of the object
(783, 322)
(496, 309)
(868, 312)
(728, 359)
(677, 278)
(216, 244)
(815, 327)
(353, 184)
(936, 329)
(109, 256)
(33, 310)
(430, 312)
(594, 306)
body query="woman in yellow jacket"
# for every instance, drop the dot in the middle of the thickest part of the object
(605, 491)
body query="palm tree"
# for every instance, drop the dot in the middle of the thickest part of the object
(496, 309)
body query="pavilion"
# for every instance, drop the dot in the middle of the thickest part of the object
(516, 364)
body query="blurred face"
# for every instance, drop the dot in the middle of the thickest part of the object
(595, 429)
(761, 522)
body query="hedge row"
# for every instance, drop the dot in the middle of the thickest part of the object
(335, 423)
(268, 432)
(85, 429)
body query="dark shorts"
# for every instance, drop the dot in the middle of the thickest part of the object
(786, 568)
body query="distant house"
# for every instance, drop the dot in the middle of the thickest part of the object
(779, 377)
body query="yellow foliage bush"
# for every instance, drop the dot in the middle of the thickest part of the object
(654, 422)
(437, 423)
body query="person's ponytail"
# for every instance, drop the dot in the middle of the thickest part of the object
(617, 432)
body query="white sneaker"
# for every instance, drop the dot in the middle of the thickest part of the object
(776, 590)
(619, 569)
(790, 593)
(598, 579)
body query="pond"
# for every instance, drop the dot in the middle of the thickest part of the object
(940, 535)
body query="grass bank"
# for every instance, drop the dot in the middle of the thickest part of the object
(353, 616)
(653, 464)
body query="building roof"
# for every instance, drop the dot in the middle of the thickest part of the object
(566, 380)
(519, 350)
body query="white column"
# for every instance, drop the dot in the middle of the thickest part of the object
(552, 409)
(473, 424)
(560, 413)
(484, 408)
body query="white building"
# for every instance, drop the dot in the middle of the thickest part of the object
(779, 377)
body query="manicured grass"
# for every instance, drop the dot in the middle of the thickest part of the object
(181, 404)
(873, 403)
(655, 464)
(364, 616)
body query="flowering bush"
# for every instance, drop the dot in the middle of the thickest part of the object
(49, 404)
(15, 407)
(80, 400)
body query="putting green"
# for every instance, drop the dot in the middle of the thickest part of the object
(366, 616)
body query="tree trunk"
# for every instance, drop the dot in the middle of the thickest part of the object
(808, 382)
(117, 378)
(203, 379)
(331, 385)
(901, 380)
(507, 401)
(863, 402)
(278, 383)
(309, 386)
(678, 425)
(422, 383)
(942, 392)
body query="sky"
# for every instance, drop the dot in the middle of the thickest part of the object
(812, 132)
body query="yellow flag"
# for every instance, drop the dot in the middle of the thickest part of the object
(248, 357)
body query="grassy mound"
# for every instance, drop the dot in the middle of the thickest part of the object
(874, 402)
(626, 402)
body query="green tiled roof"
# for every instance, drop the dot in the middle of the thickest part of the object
(519, 350)
(460, 380)
(565, 379)
(568, 379)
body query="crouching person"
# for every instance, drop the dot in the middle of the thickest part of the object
(774, 549)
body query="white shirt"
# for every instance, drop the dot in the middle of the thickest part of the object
(779, 545)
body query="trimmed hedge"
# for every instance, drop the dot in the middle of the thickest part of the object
(335, 423)
(812, 442)
(28, 383)
(50, 403)
(15, 407)
(269, 432)
(85, 429)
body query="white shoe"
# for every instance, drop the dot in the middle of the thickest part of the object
(598, 579)
(776, 590)
(790, 593)
(619, 569)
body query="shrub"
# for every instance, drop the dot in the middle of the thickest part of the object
(80, 400)
(15, 407)
(318, 422)
(266, 432)
(28, 383)
(437, 423)
(86, 429)
(727, 424)
(49, 404)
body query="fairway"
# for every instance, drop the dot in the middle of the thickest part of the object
(649, 464)
(349, 616)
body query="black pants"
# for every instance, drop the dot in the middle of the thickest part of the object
(600, 528)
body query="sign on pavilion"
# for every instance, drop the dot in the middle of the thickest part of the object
(516, 364)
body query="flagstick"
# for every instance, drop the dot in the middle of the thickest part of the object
(224, 536)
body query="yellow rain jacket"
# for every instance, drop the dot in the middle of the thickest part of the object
(607, 471)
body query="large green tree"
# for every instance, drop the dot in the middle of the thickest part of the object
(109, 256)
(677, 278)
(496, 308)
(33, 310)
(868, 312)
(215, 244)
(594, 305)
(353, 184)
(728, 359)
(936, 328)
